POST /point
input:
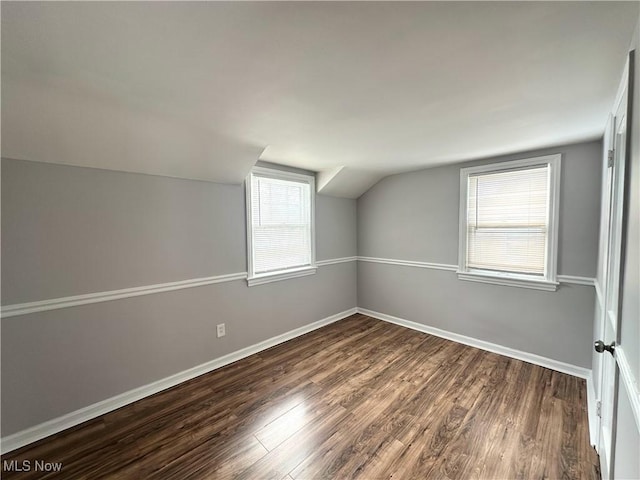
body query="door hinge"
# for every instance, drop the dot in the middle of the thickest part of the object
(599, 408)
(610, 158)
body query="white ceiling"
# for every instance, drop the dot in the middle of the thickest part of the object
(355, 90)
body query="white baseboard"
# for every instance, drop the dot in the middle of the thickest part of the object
(90, 412)
(592, 413)
(556, 365)
(43, 430)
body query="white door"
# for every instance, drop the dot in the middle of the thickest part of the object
(611, 250)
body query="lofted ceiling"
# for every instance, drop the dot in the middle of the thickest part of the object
(353, 90)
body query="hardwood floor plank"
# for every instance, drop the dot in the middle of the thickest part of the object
(423, 450)
(209, 461)
(361, 436)
(359, 398)
(500, 448)
(378, 462)
(284, 426)
(546, 458)
(455, 459)
(286, 456)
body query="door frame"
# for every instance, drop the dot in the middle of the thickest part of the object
(615, 195)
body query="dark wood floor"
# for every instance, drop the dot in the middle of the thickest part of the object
(356, 399)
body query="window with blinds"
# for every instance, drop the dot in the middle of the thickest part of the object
(508, 220)
(280, 225)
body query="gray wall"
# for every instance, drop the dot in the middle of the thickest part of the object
(335, 227)
(70, 230)
(414, 216)
(551, 324)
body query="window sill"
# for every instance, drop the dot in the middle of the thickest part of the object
(509, 280)
(282, 275)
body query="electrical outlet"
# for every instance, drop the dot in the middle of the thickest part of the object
(221, 330)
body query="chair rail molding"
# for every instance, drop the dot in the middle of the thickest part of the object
(97, 297)
(567, 279)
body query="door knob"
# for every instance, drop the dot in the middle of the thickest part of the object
(601, 347)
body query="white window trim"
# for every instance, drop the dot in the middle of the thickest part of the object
(262, 278)
(549, 282)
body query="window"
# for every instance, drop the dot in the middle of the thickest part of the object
(280, 225)
(508, 223)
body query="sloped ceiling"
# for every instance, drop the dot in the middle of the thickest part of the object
(356, 91)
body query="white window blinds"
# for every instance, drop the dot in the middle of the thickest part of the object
(508, 220)
(280, 224)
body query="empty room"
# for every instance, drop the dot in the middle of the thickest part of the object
(320, 240)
